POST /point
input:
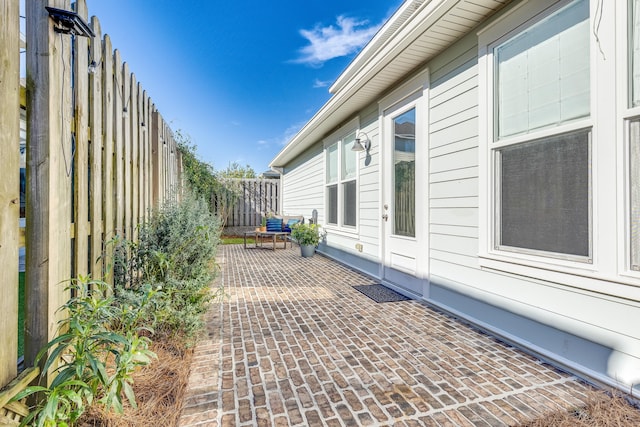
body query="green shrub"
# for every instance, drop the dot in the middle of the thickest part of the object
(176, 251)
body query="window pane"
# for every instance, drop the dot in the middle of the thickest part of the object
(332, 163)
(348, 157)
(634, 48)
(404, 160)
(635, 193)
(544, 195)
(349, 203)
(332, 204)
(542, 74)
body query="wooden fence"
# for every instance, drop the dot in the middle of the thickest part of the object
(99, 158)
(245, 201)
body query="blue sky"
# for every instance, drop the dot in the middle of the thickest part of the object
(239, 77)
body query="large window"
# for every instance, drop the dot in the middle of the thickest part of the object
(341, 188)
(634, 132)
(634, 137)
(542, 178)
(634, 53)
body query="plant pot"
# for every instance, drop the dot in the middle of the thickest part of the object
(307, 250)
(263, 229)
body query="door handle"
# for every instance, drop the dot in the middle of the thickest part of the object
(385, 217)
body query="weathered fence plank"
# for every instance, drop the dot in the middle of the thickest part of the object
(81, 149)
(49, 164)
(9, 184)
(108, 153)
(119, 143)
(126, 134)
(96, 155)
(132, 183)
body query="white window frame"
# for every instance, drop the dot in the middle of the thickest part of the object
(338, 138)
(519, 18)
(629, 114)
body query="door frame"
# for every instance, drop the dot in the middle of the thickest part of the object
(412, 94)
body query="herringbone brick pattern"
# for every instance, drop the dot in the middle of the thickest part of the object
(295, 345)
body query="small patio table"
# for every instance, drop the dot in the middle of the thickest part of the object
(259, 235)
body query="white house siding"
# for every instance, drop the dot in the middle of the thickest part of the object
(303, 184)
(587, 331)
(369, 188)
(453, 159)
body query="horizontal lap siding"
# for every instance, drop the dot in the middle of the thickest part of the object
(303, 185)
(369, 183)
(453, 159)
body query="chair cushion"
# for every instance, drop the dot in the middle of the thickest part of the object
(274, 224)
(290, 223)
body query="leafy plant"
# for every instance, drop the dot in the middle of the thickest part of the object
(91, 360)
(306, 234)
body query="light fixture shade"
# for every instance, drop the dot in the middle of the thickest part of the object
(357, 145)
(69, 22)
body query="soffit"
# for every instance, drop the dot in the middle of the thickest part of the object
(415, 34)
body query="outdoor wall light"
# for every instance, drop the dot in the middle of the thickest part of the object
(69, 22)
(362, 142)
(93, 67)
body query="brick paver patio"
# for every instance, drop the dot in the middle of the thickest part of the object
(295, 344)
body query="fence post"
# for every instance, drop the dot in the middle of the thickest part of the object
(49, 160)
(9, 185)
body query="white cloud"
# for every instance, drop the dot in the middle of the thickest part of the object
(281, 140)
(317, 83)
(290, 132)
(325, 43)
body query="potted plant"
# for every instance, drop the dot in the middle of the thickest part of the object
(263, 224)
(307, 236)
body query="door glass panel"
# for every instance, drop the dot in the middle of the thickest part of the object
(404, 165)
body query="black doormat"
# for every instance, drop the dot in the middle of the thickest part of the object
(380, 293)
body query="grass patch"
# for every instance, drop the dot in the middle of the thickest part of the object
(20, 314)
(235, 240)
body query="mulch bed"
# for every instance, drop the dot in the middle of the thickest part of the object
(602, 410)
(159, 390)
